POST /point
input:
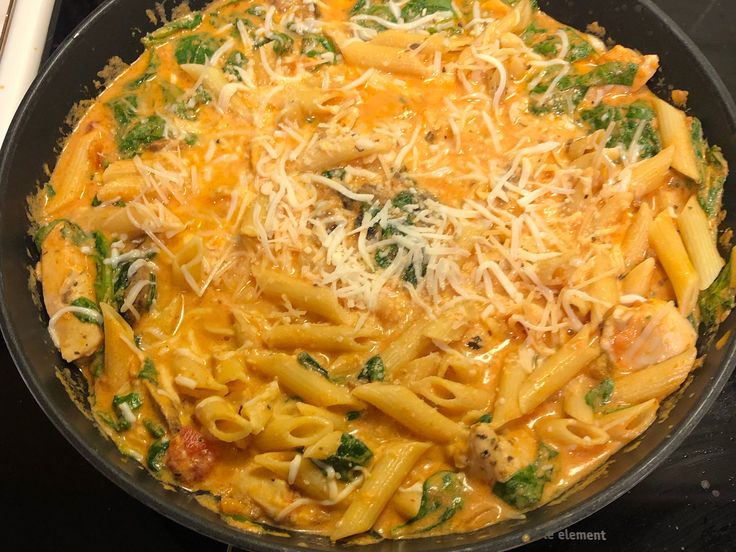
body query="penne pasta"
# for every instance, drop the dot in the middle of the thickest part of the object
(667, 243)
(574, 403)
(656, 381)
(572, 433)
(319, 337)
(675, 131)
(700, 242)
(72, 178)
(392, 465)
(636, 240)
(405, 407)
(638, 280)
(308, 479)
(649, 174)
(308, 384)
(507, 407)
(555, 371)
(320, 301)
(290, 432)
(334, 151)
(386, 58)
(628, 423)
(221, 420)
(451, 396)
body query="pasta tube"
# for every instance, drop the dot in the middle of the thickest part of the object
(671, 252)
(393, 463)
(409, 410)
(558, 369)
(308, 384)
(675, 132)
(700, 242)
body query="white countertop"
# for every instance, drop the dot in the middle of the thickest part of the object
(22, 53)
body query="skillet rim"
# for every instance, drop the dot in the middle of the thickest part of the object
(523, 534)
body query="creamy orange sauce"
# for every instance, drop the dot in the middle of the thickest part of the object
(440, 222)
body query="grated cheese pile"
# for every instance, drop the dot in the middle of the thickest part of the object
(507, 221)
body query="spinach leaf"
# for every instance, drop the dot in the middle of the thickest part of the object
(571, 89)
(69, 231)
(613, 72)
(335, 174)
(548, 47)
(358, 7)
(235, 60)
(124, 109)
(626, 121)
(86, 303)
(187, 108)
(74, 233)
(524, 489)
(351, 452)
(149, 372)
(120, 282)
(195, 48)
(154, 430)
(403, 198)
(374, 369)
(600, 395)
(386, 254)
(149, 74)
(441, 500)
(531, 31)
(116, 423)
(133, 400)
(381, 11)
(157, 454)
(415, 9)
(409, 275)
(578, 49)
(258, 11)
(97, 366)
(486, 418)
(144, 132)
(351, 415)
(104, 288)
(186, 23)
(152, 290)
(716, 301)
(309, 362)
(316, 45)
(566, 96)
(282, 43)
(713, 171)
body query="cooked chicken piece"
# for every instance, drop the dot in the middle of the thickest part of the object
(645, 334)
(68, 274)
(495, 457)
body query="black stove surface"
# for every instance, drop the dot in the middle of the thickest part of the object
(53, 500)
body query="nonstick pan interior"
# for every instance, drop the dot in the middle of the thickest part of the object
(32, 141)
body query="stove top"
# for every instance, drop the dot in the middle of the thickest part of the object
(52, 499)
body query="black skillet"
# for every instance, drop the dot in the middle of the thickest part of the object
(32, 141)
